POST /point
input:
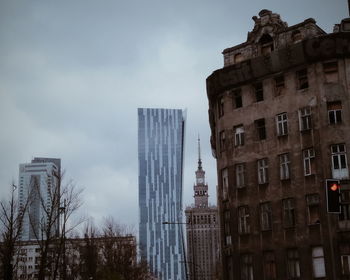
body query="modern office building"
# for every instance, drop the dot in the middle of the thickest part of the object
(202, 228)
(38, 193)
(160, 153)
(279, 113)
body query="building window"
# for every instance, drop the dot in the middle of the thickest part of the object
(269, 264)
(345, 264)
(240, 174)
(238, 57)
(288, 212)
(224, 178)
(302, 79)
(330, 70)
(247, 267)
(339, 162)
(293, 264)
(263, 176)
(284, 166)
(313, 209)
(227, 218)
(261, 130)
(318, 262)
(265, 216)
(221, 106)
(222, 140)
(279, 85)
(266, 44)
(243, 220)
(308, 159)
(239, 135)
(282, 124)
(305, 118)
(296, 36)
(334, 112)
(259, 92)
(237, 98)
(230, 270)
(345, 206)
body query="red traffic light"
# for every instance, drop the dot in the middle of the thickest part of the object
(334, 187)
(333, 195)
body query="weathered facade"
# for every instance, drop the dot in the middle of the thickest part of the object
(202, 228)
(279, 112)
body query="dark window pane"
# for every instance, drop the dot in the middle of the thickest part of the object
(342, 161)
(335, 162)
(338, 116)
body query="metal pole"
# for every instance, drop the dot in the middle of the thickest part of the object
(193, 247)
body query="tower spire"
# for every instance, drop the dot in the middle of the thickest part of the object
(199, 154)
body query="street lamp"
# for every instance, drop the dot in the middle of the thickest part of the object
(62, 211)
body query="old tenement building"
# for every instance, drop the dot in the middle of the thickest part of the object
(280, 119)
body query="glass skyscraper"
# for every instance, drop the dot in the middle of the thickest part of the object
(160, 150)
(39, 186)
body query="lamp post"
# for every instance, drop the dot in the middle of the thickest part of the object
(192, 249)
(62, 211)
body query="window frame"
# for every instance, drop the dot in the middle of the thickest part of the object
(345, 269)
(237, 98)
(227, 228)
(318, 262)
(247, 271)
(289, 212)
(221, 109)
(293, 264)
(344, 214)
(339, 165)
(240, 175)
(259, 92)
(305, 119)
(279, 84)
(334, 110)
(224, 182)
(313, 208)
(260, 126)
(284, 166)
(263, 171)
(265, 216)
(239, 135)
(282, 124)
(302, 78)
(309, 161)
(331, 71)
(269, 265)
(222, 138)
(243, 219)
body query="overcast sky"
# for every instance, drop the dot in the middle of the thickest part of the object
(73, 73)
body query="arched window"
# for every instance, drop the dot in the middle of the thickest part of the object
(238, 57)
(296, 36)
(266, 44)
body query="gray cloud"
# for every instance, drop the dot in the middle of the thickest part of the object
(73, 74)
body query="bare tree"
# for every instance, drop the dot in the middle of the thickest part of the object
(118, 259)
(11, 218)
(58, 205)
(88, 249)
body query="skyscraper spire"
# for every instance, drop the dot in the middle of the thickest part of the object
(199, 154)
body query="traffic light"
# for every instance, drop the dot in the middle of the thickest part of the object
(333, 196)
